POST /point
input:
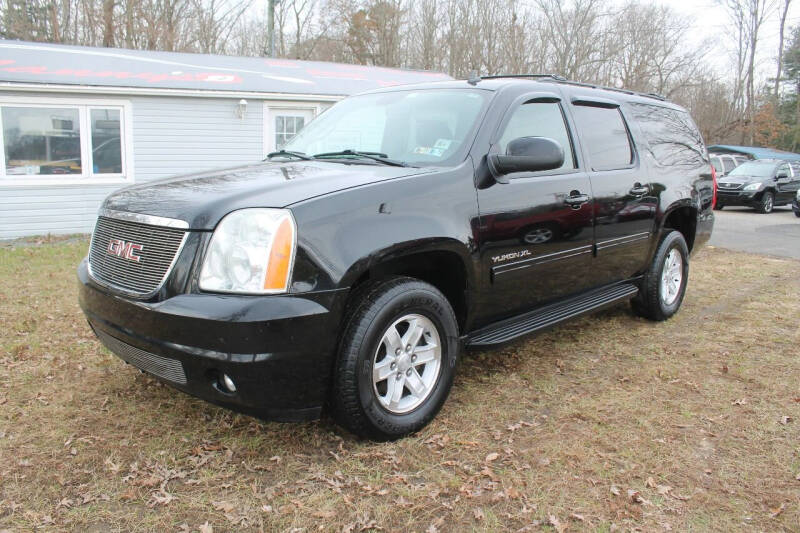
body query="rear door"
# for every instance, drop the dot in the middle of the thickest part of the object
(535, 231)
(624, 203)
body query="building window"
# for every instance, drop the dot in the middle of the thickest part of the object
(42, 139)
(286, 127)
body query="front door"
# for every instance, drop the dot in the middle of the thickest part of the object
(535, 231)
(785, 184)
(625, 201)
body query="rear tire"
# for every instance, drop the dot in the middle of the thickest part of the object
(767, 203)
(664, 285)
(397, 359)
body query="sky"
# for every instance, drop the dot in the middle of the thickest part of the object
(710, 19)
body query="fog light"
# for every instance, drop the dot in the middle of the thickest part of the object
(227, 383)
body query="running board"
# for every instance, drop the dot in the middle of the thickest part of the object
(512, 328)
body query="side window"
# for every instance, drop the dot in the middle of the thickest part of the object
(795, 169)
(605, 136)
(740, 160)
(715, 162)
(539, 119)
(785, 169)
(728, 163)
(672, 137)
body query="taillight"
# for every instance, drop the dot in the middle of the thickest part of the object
(714, 187)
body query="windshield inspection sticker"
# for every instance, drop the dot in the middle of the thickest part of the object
(442, 144)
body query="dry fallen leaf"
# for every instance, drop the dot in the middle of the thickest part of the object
(478, 514)
(206, 528)
(777, 511)
(225, 507)
(663, 489)
(636, 497)
(578, 517)
(785, 420)
(614, 490)
(492, 457)
(557, 525)
(739, 401)
(650, 483)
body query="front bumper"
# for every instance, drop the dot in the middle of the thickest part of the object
(743, 198)
(279, 350)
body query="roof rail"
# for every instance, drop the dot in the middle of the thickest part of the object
(474, 78)
(551, 76)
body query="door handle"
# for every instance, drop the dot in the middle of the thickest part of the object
(576, 199)
(639, 189)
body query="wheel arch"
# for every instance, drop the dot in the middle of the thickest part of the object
(681, 217)
(444, 263)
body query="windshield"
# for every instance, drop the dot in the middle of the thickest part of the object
(417, 127)
(759, 169)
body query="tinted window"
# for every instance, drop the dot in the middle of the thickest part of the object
(672, 137)
(605, 137)
(539, 119)
(785, 169)
(739, 160)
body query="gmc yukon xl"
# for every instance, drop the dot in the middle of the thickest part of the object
(348, 271)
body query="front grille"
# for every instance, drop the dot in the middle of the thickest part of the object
(163, 367)
(730, 186)
(156, 247)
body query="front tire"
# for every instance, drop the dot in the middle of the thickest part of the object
(767, 203)
(718, 206)
(664, 285)
(397, 359)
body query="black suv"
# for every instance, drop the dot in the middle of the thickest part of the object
(349, 270)
(762, 184)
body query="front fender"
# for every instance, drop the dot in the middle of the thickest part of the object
(342, 235)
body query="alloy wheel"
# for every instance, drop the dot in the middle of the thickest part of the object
(407, 363)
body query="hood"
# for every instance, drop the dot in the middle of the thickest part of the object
(741, 180)
(203, 199)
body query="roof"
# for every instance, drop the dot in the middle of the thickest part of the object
(754, 152)
(39, 63)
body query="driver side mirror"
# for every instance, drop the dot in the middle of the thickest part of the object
(527, 154)
(782, 175)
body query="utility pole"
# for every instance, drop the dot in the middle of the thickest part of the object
(271, 27)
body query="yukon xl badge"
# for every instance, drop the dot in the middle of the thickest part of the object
(511, 255)
(125, 250)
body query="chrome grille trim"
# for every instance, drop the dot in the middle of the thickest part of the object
(162, 247)
(163, 367)
(150, 220)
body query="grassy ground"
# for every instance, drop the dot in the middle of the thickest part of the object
(607, 423)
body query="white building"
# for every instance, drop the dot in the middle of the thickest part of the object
(77, 123)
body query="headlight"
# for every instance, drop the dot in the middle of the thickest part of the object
(251, 251)
(752, 186)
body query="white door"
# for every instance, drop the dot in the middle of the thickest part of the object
(283, 124)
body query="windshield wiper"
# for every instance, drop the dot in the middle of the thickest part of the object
(288, 153)
(374, 156)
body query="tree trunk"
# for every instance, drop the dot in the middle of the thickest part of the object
(108, 23)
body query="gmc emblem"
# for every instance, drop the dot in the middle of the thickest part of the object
(125, 250)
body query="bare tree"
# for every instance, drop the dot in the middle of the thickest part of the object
(784, 12)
